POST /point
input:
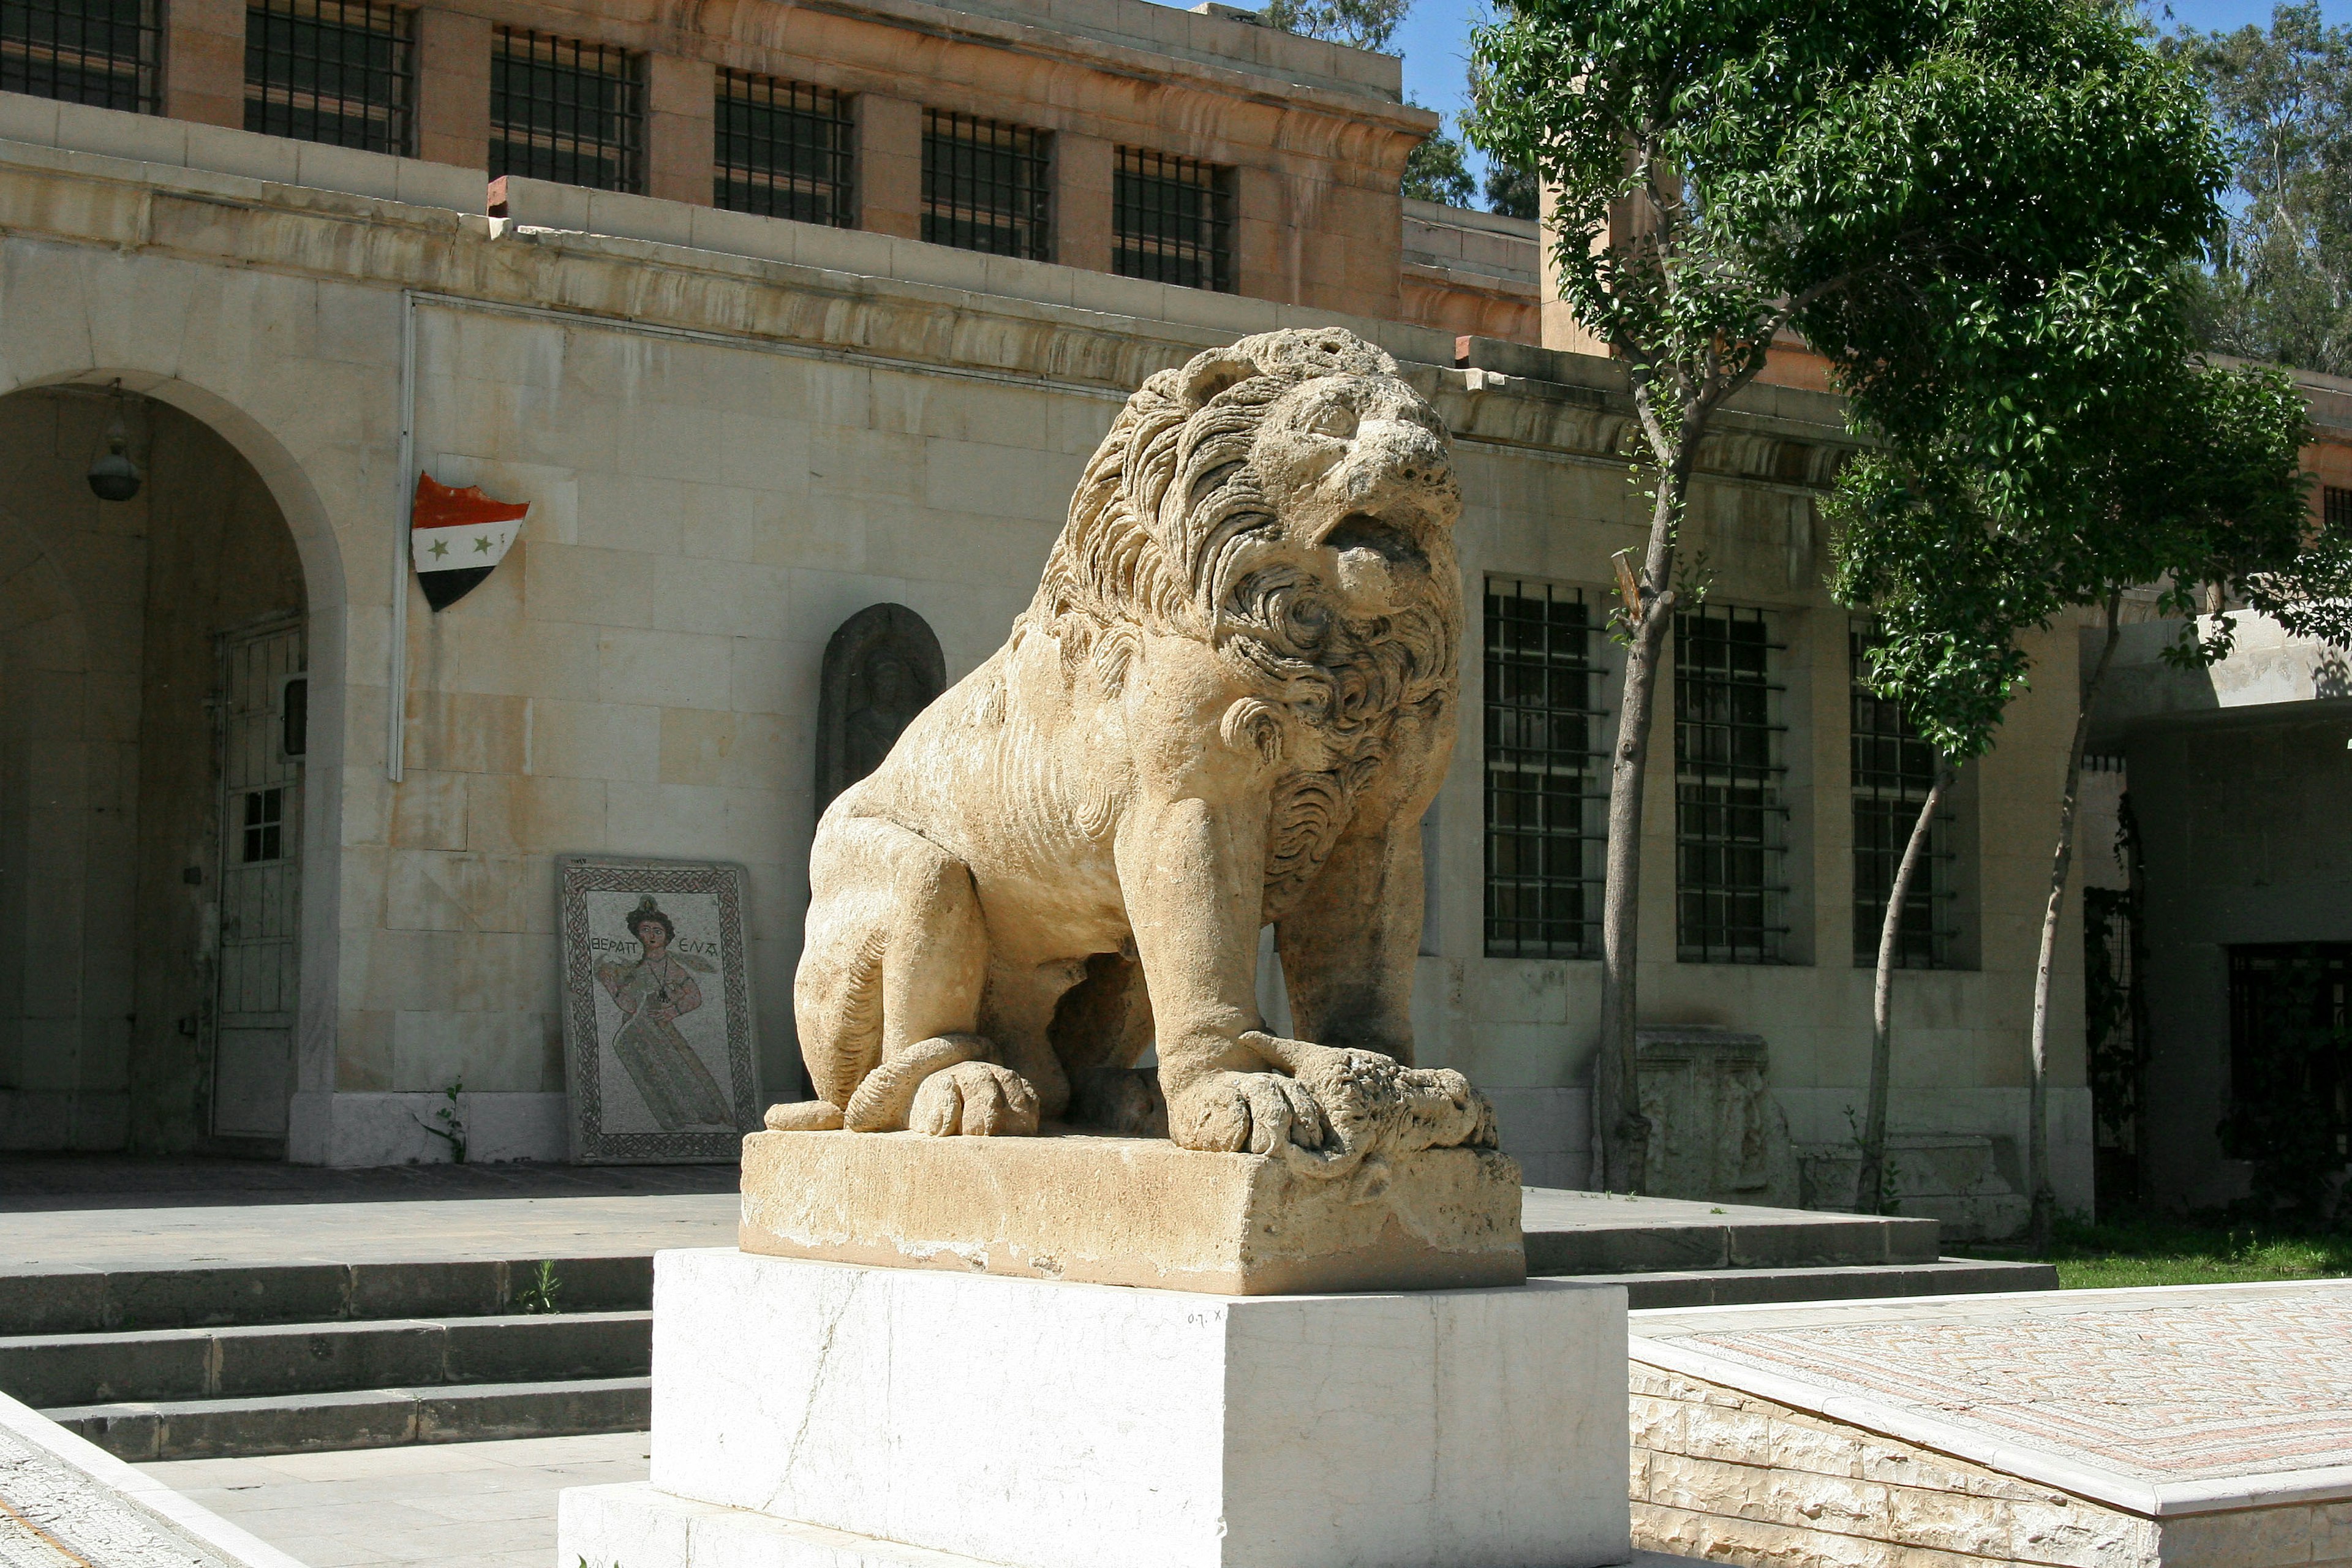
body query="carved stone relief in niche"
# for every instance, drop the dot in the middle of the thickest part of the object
(881, 669)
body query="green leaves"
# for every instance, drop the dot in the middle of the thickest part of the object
(1359, 23)
(1434, 171)
(2281, 284)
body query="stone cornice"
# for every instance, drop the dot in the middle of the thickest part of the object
(1770, 437)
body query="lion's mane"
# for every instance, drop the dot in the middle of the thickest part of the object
(1158, 538)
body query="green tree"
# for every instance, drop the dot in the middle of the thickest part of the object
(1435, 172)
(1359, 23)
(1510, 191)
(2166, 471)
(1957, 202)
(2279, 286)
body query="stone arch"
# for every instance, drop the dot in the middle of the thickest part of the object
(39, 583)
(280, 471)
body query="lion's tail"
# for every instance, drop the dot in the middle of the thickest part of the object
(803, 1116)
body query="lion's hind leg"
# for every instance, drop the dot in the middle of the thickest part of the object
(888, 995)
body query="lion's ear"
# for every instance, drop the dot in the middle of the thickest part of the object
(1212, 372)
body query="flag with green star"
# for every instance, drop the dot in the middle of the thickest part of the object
(457, 537)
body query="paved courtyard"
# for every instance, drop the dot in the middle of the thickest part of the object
(454, 1505)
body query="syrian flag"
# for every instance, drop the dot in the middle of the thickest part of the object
(456, 537)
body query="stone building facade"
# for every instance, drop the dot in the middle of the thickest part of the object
(280, 841)
(2225, 865)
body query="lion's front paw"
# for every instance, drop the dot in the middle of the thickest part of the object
(1375, 1103)
(1445, 1109)
(979, 1100)
(1246, 1112)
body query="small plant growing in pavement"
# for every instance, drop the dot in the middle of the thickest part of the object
(539, 1296)
(448, 1122)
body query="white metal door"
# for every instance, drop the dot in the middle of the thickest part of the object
(262, 717)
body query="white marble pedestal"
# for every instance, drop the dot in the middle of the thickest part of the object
(810, 1413)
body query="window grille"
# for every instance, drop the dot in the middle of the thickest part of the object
(567, 111)
(100, 52)
(265, 826)
(2335, 508)
(1730, 816)
(1547, 796)
(985, 185)
(782, 149)
(1894, 770)
(1172, 220)
(340, 72)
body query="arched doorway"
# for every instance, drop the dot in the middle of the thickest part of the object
(153, 744)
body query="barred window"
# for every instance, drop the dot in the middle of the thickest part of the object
(1730, 814)
(1547, 798)
(985, 185)
(101, 52)
(1894, 769)
(567, 111)
(782, 149)
(1172, 220)
(340, 72)
(2335, 508)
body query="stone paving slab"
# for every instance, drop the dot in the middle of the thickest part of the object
(471, 1505)
(399, 1231)
(1568, 1232)
(2169, 1402)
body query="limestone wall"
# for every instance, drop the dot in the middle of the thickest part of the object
(1472, 273)
(728, 455)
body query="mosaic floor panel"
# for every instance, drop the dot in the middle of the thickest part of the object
(2161, 1385)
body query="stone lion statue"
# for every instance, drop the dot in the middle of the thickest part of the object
(1229, 704)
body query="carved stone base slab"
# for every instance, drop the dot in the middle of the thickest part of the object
(1133, 1211)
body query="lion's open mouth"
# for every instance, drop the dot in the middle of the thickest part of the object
(1394, 542)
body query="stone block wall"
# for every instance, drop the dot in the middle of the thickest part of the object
(732, 441)
(1312, 136)
(1727, 1477)
(1471, 273)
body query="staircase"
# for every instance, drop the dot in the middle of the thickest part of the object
(203, 1363)
(163, 1327)
(1679, 1252)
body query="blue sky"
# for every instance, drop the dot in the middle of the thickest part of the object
(1435, 38)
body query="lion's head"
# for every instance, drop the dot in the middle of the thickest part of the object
(1291, 500)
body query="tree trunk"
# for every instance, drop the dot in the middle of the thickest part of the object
(1621, 1134)
(1870, 1187)
(2037, 1125)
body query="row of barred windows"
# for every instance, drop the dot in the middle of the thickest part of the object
(344, 72)
(1547, 736)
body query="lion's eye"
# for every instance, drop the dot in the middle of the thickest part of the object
(1336, 422)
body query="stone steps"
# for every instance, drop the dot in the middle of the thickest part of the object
(1752, 1287)
(258, 1345)
(98, 1300)
(1600, 1233)
(361, 1418)
(262, 1361)
(203, 1362)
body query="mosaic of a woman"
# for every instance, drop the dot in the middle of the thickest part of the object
(652, 990)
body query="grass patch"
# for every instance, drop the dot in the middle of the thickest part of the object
(2135, 1252)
